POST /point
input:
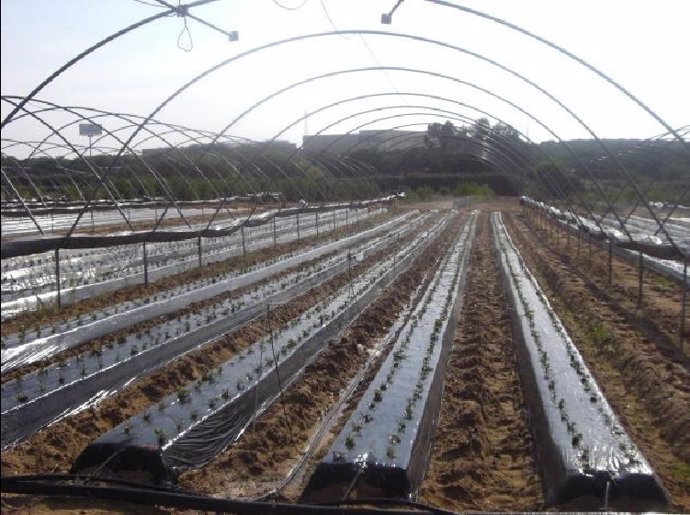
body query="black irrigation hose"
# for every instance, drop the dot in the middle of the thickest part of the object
(385, 501)
(96, 479)
(151, 497)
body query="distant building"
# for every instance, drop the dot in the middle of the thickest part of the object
(380, 139)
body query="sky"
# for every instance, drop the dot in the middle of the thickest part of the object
(464, 68)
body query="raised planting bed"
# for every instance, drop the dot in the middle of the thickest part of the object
(42, 342)
(36, 399)
(29, 281)
(386, 442)
(582, 449)
(189, 428)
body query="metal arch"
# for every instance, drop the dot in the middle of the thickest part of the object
(91, 49)
(434, 74)
(568, 54)
(401, 115)
(565, 145)
(124, 117)
(418, 39)
(407, 137)
(110, 133)
(556, 188)
(454, 79)
(85, 161)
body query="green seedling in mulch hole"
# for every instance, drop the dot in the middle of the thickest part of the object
(134, 350)
(225, 395)
(161, 436)
(577, 438)
(183, 395)
(194, 415)
(338, 457)
(349, 442)
(22, 397)
(378, 396)
(147, 416)
(127, 428)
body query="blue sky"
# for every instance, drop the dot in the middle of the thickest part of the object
(642, 45)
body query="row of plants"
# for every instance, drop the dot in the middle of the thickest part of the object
(386, 439)
(192, 425)
(84, 274)
(29, 345)
(581, 443)
(72, 382)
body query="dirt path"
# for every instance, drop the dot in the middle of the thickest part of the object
(645, 379)
(482, 451)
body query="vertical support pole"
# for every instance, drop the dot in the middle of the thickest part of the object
(347, 218)
(334, 219)
(57, 277)
(52, 222)
(198, 248)
(274, 232)
(610, 262)
(298, 235)
(146, 267)
(316, 216)
(577, 241)
(683, 302)
(93, 224)
(639, 278)
(244, 247)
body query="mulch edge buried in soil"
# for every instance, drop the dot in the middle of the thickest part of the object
(475, 431)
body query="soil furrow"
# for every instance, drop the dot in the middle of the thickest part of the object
(482, 456)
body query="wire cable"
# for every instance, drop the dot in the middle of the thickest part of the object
(289, 8)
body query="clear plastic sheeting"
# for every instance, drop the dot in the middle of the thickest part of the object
(36, 399)
(386, 441)
(22, 350)
(659, 254)
(582, 448)
(188, 428)
(30, 281)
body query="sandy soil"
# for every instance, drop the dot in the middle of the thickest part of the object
(482, 456)
(643, 374)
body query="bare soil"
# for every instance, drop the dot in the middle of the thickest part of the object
(644, 375)
(482, 456)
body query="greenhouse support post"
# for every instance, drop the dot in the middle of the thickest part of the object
(316, 217)
(298, 235)
(57, 277)
(198, 248)
(244, 246)
(146, 266)
(275, 240)
(683, 302)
